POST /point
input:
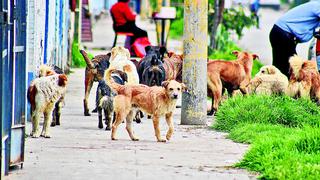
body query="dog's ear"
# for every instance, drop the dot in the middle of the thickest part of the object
(170, 54)
(165, 84)
(163, 50)
(127, 53)
(236, 53)
(254, 56)
(147, 49)
(62, 80)
(271, 70)
(184, 87)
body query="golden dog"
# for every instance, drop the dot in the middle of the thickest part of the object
(156, 101)
(269, 80)
(304, 79)
(232, 75)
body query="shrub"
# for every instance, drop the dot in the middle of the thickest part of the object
(77, 58)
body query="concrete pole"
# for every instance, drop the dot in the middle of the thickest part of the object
(194, 102)
(77, 22)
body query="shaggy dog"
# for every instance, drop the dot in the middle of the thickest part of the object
(104, 98)
(150, 69)
(304, 79)
(269, 80)
(231, 75)
(120, 60)
(48, 70)
(173, 66)
(156, 101)
(43, 93)
(94, 72)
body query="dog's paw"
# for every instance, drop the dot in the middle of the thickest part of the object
(45, 135)
(108, 128)
(114, 139)
(87, 114)
(53, 124)
(135, 139)
(168, 137)
(95, 110)
(100, 126)
(162, 140)
(35, 134)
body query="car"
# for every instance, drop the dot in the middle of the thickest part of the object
(275, 4)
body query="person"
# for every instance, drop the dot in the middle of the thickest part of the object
(295, 26)
(124, 20)
(254, 7)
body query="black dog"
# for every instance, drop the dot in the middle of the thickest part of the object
(104, 98)
(150, 68)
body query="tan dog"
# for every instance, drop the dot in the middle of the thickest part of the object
(231, 75)
(43, 93)
(269, 80)
(156, 101)
(173, 66)
(120, 60)
(304, 79)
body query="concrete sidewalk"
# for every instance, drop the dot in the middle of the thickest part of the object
(79, 150)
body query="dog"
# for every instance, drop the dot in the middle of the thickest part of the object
(94, 72)
(173, 66)
(42, 94)
(269, 80)
(231, 75)
(48, 70)
(156, 101)
(150, 68)
(104, 98)
(304, 81)
(120, 60)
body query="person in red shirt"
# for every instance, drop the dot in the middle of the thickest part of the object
(124, 20)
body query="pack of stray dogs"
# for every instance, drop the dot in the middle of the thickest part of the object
(129, 89)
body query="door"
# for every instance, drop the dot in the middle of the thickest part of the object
(6, 85)
(19, 78)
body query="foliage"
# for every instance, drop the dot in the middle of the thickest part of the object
(176, 29)
(236, 20)
(284, 134)
(77, 58)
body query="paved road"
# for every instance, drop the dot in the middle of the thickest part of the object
(257, 40)
(79, 150)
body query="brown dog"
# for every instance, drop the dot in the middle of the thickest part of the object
(156, 101)
(304, 79)
(231, 75)
(94, 72)
(173, 66)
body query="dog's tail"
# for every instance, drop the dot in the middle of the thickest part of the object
(87, 59)
(31, 95)
(296, 63)
(110, 81)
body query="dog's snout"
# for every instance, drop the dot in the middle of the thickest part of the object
(175, 96)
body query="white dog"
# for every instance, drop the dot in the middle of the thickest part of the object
(43, 93)
(269, 80)
(120, 60)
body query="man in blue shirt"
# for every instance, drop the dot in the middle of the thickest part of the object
(296, 26)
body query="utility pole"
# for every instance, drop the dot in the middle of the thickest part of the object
(77, 23)
(194, 102)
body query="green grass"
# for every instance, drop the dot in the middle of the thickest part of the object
(284, 135)
(77, 58)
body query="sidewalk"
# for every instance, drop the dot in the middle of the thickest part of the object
(79, 150)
